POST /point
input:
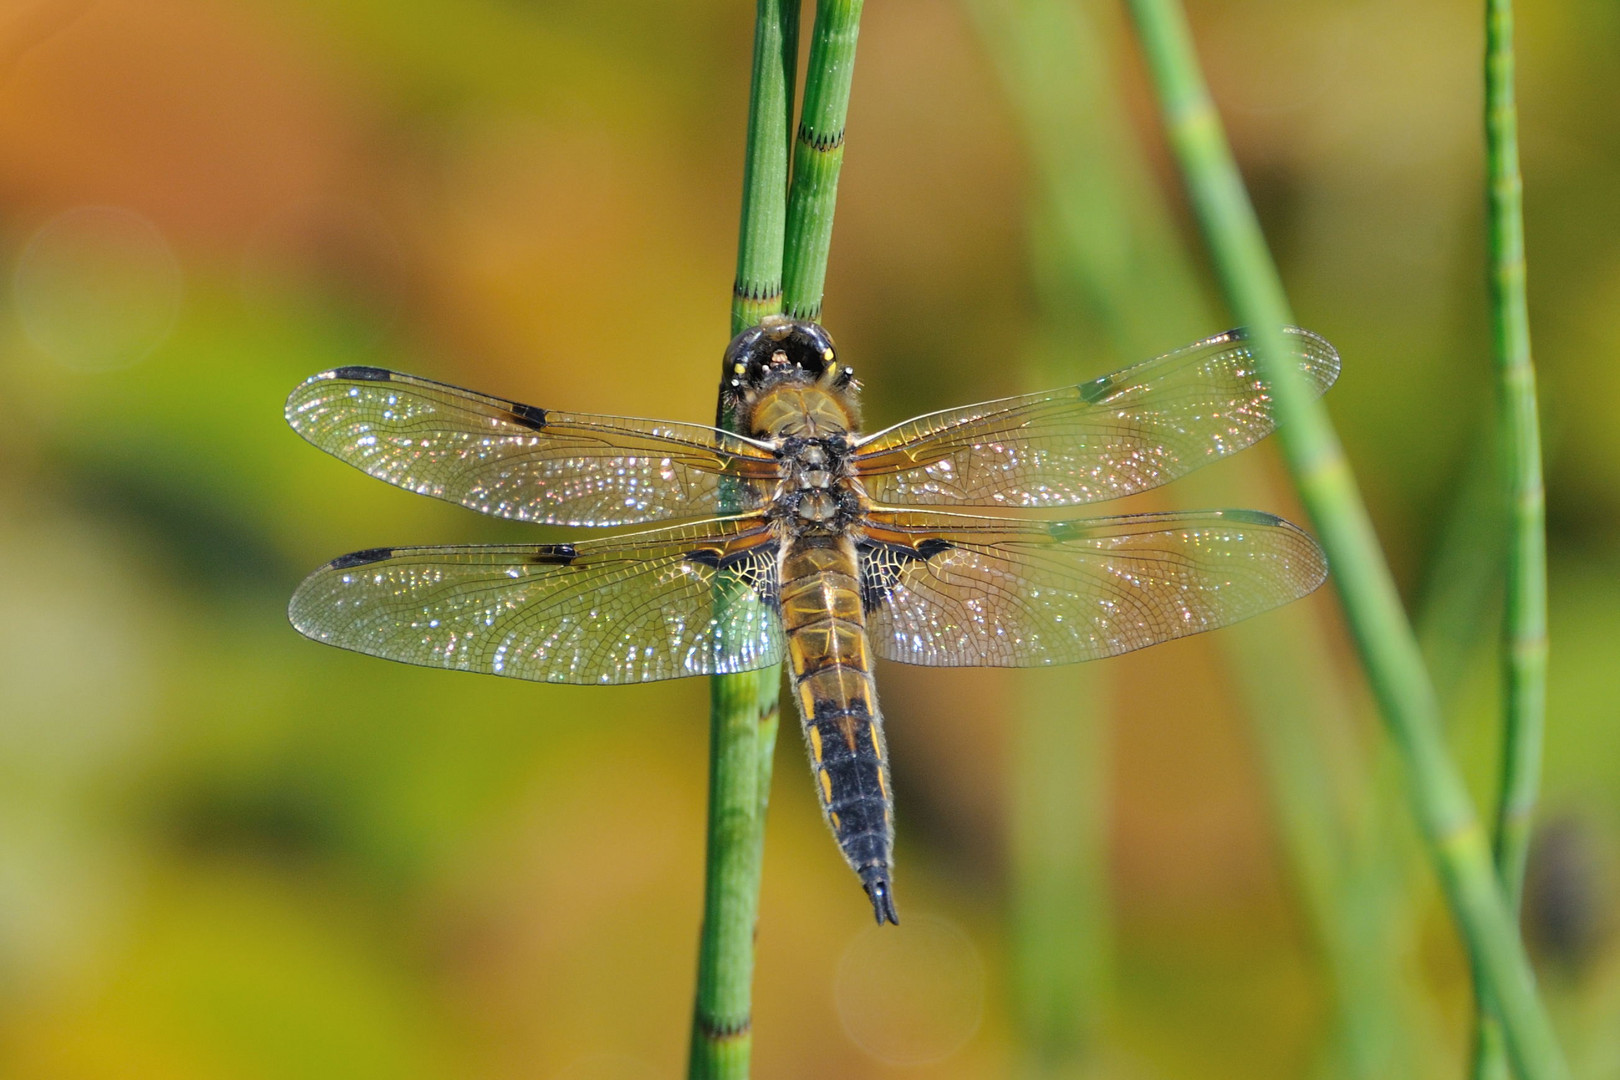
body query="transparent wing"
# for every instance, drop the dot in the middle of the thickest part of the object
(946, 590)
(519, 461)
(1127, 432)
(691, 600)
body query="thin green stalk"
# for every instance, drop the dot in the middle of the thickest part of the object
(819, 154)
(1388, 648)
(762, 235)
(1114, 258)
(743, 708)
(1524, 626)
(1526, 615)
(742, 713)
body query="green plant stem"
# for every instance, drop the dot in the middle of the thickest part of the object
(744, 708)
(742, 731)
(1389, 653)
(757, 291)
(1524, 627)
(818, 156)
(1111, 255)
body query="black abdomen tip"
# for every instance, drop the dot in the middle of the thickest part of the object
(875, 879)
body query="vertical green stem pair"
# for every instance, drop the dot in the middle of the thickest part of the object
(782, 251)
(1457, 844)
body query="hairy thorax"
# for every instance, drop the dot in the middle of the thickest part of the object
(819, 494)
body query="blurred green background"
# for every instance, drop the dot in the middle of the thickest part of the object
(228, 852)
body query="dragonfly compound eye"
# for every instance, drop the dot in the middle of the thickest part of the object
(780, 347)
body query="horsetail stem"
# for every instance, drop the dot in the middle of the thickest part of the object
(1456, 843)
(818, 154)
(1524, 622)
(743, 708)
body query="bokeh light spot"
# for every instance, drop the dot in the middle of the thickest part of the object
(912, 994)
(97, 288)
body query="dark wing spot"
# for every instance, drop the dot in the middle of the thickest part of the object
(704, 557)
(715, 559)
(1251, 517)
(753, 566)
(553, 555)
(360, 373)
(881, 565)
(529, 416)
(1096, 390)
(361, 558)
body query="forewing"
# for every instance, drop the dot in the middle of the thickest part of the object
(1123, 433)
(692, 600)
(519, 461)
(946, 590)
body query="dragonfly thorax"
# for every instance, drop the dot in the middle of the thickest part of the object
(815, 462)
(818, 490)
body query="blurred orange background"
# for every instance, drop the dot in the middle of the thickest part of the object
(228, 852)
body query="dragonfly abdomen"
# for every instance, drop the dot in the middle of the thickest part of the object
(832, 678)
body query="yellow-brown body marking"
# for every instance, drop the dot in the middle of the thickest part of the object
(806, 407)
(831, 667)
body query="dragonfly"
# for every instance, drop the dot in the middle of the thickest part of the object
(796, 537)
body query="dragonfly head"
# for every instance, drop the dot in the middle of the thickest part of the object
(765, 364)
(781, 350)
